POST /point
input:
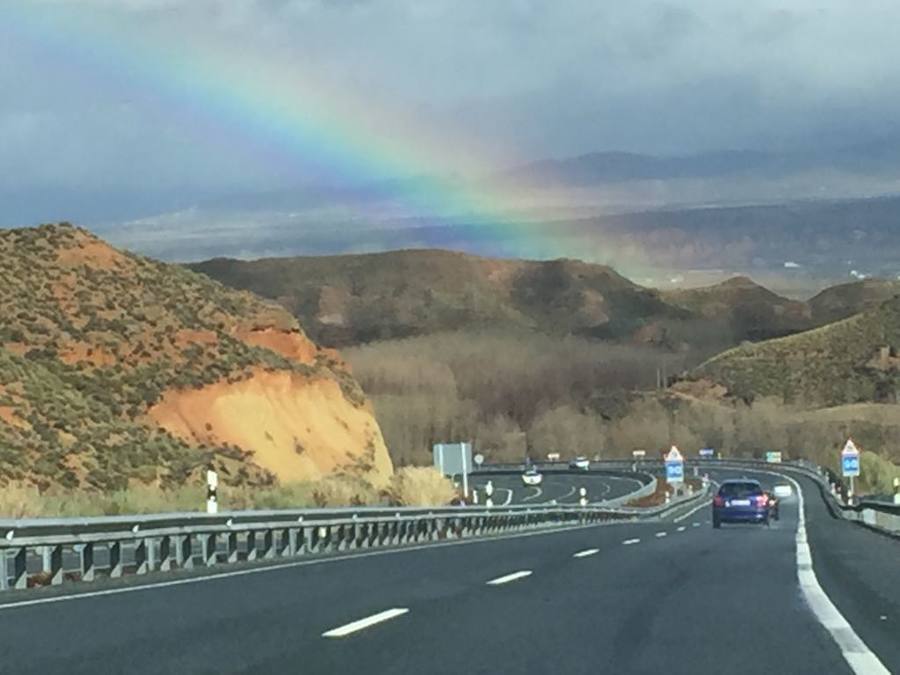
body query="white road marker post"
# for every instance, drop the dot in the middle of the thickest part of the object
(212, 485)
(583, 493)
(489, 493)
(897, 491)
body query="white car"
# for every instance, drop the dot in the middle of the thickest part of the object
(782, 491)
(532, 477)
(580, 462)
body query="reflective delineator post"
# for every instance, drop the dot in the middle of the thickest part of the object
(583, 492)
(212, 484)
(897, 491)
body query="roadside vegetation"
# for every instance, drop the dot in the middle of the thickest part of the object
(411, 486)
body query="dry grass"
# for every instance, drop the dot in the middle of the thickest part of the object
(421, 486)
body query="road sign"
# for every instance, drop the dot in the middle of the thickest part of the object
(552, 456)
(454, 459)
(707, 452)
(638, 454)
(674, 466)
(773, 457)
(850, 460)
(479, 459)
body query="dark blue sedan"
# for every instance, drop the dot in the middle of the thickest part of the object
(740, 501)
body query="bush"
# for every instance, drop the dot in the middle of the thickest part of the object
(420, 486)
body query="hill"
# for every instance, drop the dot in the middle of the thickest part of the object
(748, 310)
(844, 300)
(353, 299)
(850, 361)
(117, 369)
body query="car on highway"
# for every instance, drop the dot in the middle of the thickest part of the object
(740, 501)
(532, 477)
(580, 462)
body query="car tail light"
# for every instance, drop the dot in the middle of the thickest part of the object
(718, 500)
(762, 500)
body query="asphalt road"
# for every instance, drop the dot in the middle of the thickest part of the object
(561, 487)
(671, 597)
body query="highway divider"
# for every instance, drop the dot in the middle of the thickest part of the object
(38, 552)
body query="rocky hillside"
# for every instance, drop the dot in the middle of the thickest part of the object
(851, 361)
(845, 300)
(116, 368)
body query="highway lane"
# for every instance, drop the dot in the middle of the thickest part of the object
(561, 487)
(695, 600)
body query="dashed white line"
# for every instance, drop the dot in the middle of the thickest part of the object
(660, 535)
(586, 553)
(362, 624)
(509, 577)
(695, 524)
(681, 529)
(629, 542)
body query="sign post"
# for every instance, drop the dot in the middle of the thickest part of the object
(674, 466)
(453, 459)
(850, 464)
(212, 485)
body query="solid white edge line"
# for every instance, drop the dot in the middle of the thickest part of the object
(629, 542)
(289, 565)
(515, 576)
(356, 626)
(856, 653)
(586, 553)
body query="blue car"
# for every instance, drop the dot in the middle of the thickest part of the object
(740, 501)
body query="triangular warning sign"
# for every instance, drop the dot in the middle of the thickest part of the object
(850, 448)
(674, 455)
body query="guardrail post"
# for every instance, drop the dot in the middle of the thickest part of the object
(291, 534)
(252, 552)
(208, 549)
(20, 569)
(165, 554)
(88, 571)
(56, 565)
(269, 544)
(184, 551)
(140, 557)
(4, 570)
(115, 559)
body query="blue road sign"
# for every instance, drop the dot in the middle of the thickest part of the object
(850, 460)
(707, 452)
(675, 472)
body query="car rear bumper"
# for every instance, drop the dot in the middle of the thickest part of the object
(739, 515)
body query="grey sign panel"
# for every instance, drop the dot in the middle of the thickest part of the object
(453, 459)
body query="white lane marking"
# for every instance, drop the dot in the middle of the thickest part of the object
(629, 542)
(568, 494)
(289, 565)
(695, 524)
(694, 510)
(855, 652)
(515, 576)
(681, 529)
(508, 496)
(586, 553)
(356, 626)
(534, 496)
(660, 535)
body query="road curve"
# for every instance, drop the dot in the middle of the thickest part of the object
(673, 597)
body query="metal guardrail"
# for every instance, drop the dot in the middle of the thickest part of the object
(37, 552)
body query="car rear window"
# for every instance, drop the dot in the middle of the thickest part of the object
(740, 489)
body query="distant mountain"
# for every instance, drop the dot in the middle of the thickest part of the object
(352, 299)
(602, 167)
(117, 369)
(358, 298)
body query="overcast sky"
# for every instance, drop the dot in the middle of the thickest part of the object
(504, 80)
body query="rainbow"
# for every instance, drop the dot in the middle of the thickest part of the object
(286, 113)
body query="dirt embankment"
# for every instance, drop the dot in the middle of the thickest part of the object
(297, 428)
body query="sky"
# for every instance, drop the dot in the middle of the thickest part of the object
(104, 97)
